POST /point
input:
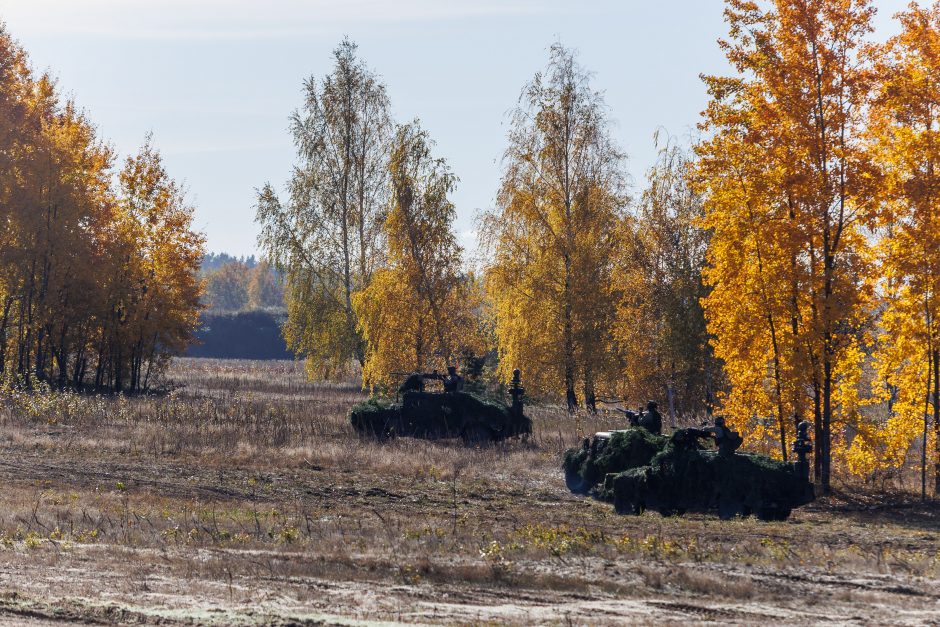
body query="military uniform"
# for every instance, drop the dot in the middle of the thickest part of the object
(651, 420)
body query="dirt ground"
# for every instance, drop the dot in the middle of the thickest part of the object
(186, 510)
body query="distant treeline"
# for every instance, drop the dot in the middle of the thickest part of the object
(214, 261)
(237, 284)
(247, 335)
(99, 266)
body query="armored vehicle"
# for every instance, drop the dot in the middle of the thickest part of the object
(685, 477)
(450, 413)
(609, 452)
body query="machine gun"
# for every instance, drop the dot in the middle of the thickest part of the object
(633, 417)
(415, 380)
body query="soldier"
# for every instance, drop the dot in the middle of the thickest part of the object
(517, 392)
(414, 383)
(650, 419)
(802, 446)
(453, 382)
(727, 440)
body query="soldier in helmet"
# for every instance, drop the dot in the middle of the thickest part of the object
(453, 382)
(651, 420)
(726, 440)
(517, 392)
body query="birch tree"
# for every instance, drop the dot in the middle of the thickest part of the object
(904, 130)
(420, 310)
(552, 236)
(786, 162)
(327, 237)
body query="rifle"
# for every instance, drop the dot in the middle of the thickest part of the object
(424, 375)
(632, 416)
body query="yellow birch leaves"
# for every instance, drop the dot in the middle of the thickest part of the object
(420, 312)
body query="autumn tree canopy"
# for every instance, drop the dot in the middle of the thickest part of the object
(420, 311)
(98, 279)
(789, 195)
(660, 328)
(904, 135)
(327, 237)
(552, 238)
(786, 270)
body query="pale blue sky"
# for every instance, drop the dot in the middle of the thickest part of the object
(216, 80)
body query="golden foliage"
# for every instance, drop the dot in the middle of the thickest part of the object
(419, 312)
(904, 134)
(788, 187)
(97, 285)
(553, 237)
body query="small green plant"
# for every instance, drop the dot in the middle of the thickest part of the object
(288, 535)
(493, 553)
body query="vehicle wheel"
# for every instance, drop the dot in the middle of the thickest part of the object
(769, 514)
(477, 435)
(576, 482)
(626, 506)
(729, 509)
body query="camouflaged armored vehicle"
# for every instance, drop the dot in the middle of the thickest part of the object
(451, 413)
(686, 477)
(609, 452)
(677, 474)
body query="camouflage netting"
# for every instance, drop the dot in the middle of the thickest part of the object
(496, 414)
(684, 477)
(375, 416)
(626, 449)
(426, 409)
(439, 415)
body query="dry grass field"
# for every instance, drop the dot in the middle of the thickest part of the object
(243, 497)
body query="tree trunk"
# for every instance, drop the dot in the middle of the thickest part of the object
(795, 324)
(781, 418)
(150, 358)
(347, 166)
(936, 420)
(119, 371)
(923, 452)
(817, 426)
(671, 399)
(419, 347)
(99, 370)
(568, 340)
(3, 334)
(824, 446)
(590, 398)
(78, 370)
